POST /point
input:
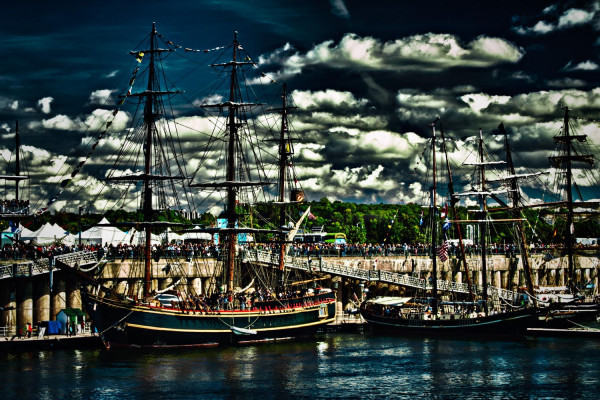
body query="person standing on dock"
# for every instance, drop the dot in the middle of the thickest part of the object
(29, 330)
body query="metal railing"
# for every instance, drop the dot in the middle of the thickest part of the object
(394, 278)
(42, 265)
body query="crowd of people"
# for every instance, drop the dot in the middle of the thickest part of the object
(204, 249)
(262, 299)
(14, 207)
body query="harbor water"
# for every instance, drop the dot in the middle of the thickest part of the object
(329, 366)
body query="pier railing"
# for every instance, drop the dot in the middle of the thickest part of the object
(405, 280)
(42, 265)
(85, 258)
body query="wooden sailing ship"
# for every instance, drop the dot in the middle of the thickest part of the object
(576, 303)
(244, 302)
(436, 312)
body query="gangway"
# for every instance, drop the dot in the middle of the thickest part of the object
(394, 278)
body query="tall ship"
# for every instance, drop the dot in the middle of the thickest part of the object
(573, 302)
(454, 308)
(243, 164)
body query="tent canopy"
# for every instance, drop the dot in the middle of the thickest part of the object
(47, 234)
(103, 234)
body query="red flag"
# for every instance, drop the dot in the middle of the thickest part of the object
(444, 211)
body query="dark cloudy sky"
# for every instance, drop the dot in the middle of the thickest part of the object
(367, 77)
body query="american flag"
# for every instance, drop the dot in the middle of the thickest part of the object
(443, 251)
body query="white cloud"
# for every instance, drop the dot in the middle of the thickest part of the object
(61, 122)
(426, 52)
(314, 100)
(550, 9)
(574, 17)
(582, 66)
(568, 19)
(479, 101)
(339, 9)
(214, 99)
(14, 105)
(44, 104)
(101, 97)
(566, 83)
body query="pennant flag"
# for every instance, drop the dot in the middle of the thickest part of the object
(421, 220)
(311, 216)
(446, 224)
(139, 56)
(443, 251)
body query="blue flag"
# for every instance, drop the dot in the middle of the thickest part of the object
(446, 225)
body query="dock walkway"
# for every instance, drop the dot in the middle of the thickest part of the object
(49, 342)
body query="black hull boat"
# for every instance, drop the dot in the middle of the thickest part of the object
(572, 315)
(396, 318)
(123, 324)
(456, 309)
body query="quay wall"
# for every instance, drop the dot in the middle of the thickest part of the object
(41, 297)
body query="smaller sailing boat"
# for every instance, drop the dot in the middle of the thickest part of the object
(442, 311)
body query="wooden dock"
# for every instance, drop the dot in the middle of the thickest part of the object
(49, 342)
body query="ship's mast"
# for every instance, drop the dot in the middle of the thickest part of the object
(230, 172)
(515, 194)
(283, 163)
(231, 184)
(433, 224)
(150, 118)
(151, 114)
(482, 225)
(453, 201)
(18, 160)
(569, 175)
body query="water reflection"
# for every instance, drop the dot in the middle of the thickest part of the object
(330, 366)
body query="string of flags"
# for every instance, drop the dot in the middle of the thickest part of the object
(187, 49)
(66, 182)
(248, 59)
(390, 226)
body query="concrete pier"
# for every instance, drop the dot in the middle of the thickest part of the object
(42, 297)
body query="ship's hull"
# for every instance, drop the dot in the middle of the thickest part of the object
(509, 324)
(568, 315)
(123, 324)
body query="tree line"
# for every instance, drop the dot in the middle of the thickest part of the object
(361, 223)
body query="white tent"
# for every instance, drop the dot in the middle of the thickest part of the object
(47, 234)
(103, 234)
(139, 237)
(197, 235)
(169, 236)
(20, 230)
